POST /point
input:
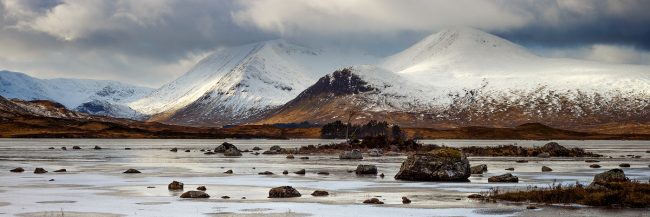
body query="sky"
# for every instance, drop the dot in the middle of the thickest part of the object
(151, 42)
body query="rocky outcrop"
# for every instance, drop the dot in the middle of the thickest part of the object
(175, 185)
(442, 164)
(195, 194)
(283, 192)
(508, 177)
(478, 169)
(366, 170)
(225, 146)
(351, 155)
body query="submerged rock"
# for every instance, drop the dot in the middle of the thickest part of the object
(60, 171)
(39, 170)
(508, 177)
(225, 146)
(319, 193)
(510, 169)
(283, 192)
(195, 194)
(443, 164)
(351, 155)
(366, 170)
(373, 201)
(132, 171)
(17, 170)
(323, 173)
(478, 169)
(175, 185)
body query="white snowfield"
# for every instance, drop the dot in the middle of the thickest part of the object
(72, 92)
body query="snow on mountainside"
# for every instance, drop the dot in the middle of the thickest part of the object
(74, 93)
(462, 58)
(236, 83)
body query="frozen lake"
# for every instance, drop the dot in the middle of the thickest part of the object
(95, 185)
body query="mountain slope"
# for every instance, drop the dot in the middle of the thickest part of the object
(236, 84)
(73, 93)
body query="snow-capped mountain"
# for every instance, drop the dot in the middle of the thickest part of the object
(76, 94)
(235, 84)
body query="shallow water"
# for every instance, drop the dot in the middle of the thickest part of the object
(94, 183)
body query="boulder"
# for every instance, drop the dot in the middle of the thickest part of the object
(374, 152)
(174, 150)
(64, 148)
(228, 172)
(613, 175)
(39, 170)
(17, 170)
(127, 148)
(266, 173)
(233, 152)
(60, 171)
(555, 149)
(443, 164)
(366, 170)
(195, 194)
(132, 171)
(546, 169)
(301, 172)
(381, 175)
(187, 150)
(544, 155)
(276, 148)
(373, 201)
(510, 169)
(624, 165)
(478, 169)
(351, 155)
(475, 196)
(285, 172)
(175, 185)
(508, 177)
(201, 188)
(224, 147)
(225, 197)
(97, 147)
(256, 148)
(283, 192)
(319, 193)
(594, 166)
(406, 200)
(323, 173)
(50, 148)
(76, 147)
(290, 156)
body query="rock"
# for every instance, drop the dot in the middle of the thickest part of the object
(381, 175)
(187, 150)
(127, 148)
(256, 153)
(174, 150)
(151, 187)
(521, 161)
(301, 172)
(544, 155)
(373, 201)
(304, 158)
(290, 156)
(209, 153)
(366, 170)
(246, 150)
(285, 172)
(318, 193)
(510, 169)
(546, 169)
(201, 188)
(406, 200)
(555, 149)
(374, 152)
(195, 194)
(443, 164)
(592, 161)
(613, 175)
(131, 171)
(17, 170)
(323, 173)
(76, 147)
(270, 152)
(531, 207)
(228, 172)
(475, 196)
(233, 152)
(594, 166)
(243, 198)
(225, 146)
(351, 155)
(276, 148)
(283, 192)
(39, 170)
(175, 185)
(51, 180)
(508, 177)
(624, 165)
(266, 173)
(50, 148)
(64, 148)
(97, 147)
(225, 197)
(256, 148)
(478, 169)
(60, 171)
(392, 153)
